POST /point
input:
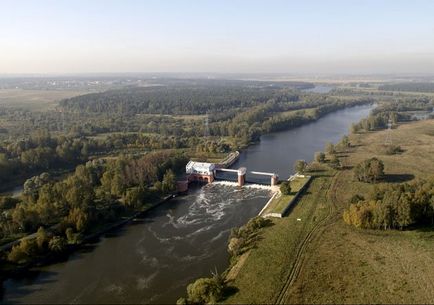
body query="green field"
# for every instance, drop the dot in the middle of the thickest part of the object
(35, 99)
(320, 259)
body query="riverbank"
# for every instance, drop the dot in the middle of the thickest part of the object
(311, 251)
(89, 238)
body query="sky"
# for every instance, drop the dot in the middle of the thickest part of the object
(221, 36)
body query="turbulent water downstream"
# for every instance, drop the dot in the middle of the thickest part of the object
(153, 261)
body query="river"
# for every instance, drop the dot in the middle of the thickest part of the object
(153, 261)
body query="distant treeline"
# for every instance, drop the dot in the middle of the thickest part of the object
(396, 111)
(410, 86)
(173, 100)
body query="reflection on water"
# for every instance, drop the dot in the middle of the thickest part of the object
(186, 238)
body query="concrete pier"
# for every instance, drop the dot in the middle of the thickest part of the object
(242, 176)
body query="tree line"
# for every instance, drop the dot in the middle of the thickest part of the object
(394, 207)
(96, 193)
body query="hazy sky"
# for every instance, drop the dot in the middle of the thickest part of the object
(42, 36)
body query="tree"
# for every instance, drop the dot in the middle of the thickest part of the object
(168, 184)
(41, 238)
(354, 128)
(330, 148)
(134, 196)
(319, 157)
(71, 237)
(335, 162)
(300, 166)
(285, 188)
(369, 170)
(57, 244)
(345, 142)
(78, 218)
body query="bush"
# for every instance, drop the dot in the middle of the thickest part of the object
(285, 188)
(24, 251)
(320, 157)
(205, 290)
(330, 148)
(300, 166)
(57, 244)
(335, 162)
(71, 237)
(356, 198)
(393, 150)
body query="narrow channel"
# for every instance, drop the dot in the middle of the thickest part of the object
(153, 261)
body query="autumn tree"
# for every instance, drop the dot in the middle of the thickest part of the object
(369, 170)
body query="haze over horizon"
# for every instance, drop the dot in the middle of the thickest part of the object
(275, 36)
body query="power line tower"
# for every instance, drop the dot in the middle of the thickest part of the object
(388, 140)
(206, 126)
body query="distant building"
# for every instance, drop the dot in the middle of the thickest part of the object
(200, 171)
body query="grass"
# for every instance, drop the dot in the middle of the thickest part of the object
(280, 202)
(35, 99)
(335, 262)
(266, 267)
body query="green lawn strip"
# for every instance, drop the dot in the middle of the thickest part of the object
(269, 263)
(280, 202)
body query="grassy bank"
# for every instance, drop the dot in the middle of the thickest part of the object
(322, 260)
(260, 278)
(281, 202)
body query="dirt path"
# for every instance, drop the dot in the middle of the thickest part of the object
(284, 294)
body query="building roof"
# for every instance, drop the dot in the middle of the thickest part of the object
(200, 166)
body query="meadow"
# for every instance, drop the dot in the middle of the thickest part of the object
(320, 259)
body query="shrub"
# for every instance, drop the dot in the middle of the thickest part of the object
(335, 162)
(300, 166)
(330, 148)
(24, 251)
(393, 150)
(320, 157)
(285, 188)
(57, 244)
(205, 290)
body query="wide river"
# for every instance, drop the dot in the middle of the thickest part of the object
(153, 261)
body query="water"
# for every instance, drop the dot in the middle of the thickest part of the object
(320, 89)
(153, 261)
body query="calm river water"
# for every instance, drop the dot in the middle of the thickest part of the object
(153, 261)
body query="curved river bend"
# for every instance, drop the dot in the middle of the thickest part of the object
(186, 238)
